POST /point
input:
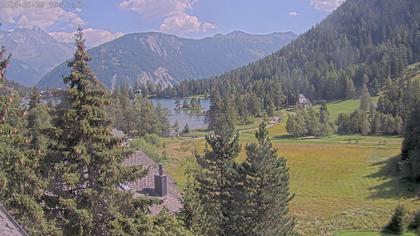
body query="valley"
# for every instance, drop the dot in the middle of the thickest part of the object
(178, 123)
(340, 183)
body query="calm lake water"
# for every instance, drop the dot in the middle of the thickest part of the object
(182, 116)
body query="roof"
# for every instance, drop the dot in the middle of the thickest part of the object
(9, 226)
(146, 185)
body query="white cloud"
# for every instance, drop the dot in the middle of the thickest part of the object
(157, 8)
(184, 23)
(174, 13)
(94, 37)
(326, 5)
(41, 17)
(293, 13)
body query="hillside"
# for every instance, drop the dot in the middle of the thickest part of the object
(362, 41)
(166, 59)
(34, 54)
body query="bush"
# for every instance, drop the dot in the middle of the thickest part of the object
(152, 139)
(396, 224)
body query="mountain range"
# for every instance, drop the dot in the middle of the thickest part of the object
(34, 54)
(167, 59)
(362, 42)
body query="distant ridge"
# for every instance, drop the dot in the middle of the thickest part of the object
(167, 59)
(34, 54)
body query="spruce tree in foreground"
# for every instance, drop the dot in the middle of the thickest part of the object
(84, 162)
(264, 185)
(210, 202)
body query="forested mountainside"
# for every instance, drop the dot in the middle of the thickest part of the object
(34, 52)
(361, 42)
(166, 59)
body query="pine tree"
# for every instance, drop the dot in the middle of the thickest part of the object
(214, 184)
(84, 161)
(264, 184)
(324, 120)
(365, 100)
(218, 116)
(411, 144)
(186, 129)
(364, 124)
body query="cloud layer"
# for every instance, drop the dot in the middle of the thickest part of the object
(41, 17)
(94, 37)
(174, 13)
(327, 5)
(48, 17)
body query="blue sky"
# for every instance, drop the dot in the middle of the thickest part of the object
(105, 20)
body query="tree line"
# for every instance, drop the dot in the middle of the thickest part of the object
(351, 48)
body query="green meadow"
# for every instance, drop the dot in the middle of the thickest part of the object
(340, 183)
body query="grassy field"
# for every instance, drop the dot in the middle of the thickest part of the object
(340, 182)
(338, 107)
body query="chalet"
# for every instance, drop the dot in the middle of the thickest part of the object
(303, 101)
(156, 184)
(8, 225)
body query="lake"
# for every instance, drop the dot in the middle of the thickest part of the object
(182, 116)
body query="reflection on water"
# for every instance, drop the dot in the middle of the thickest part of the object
(182, 116)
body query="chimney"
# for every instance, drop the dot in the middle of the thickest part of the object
(161, 182)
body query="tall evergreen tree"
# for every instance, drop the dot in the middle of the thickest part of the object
(411, 144)
(84, 162)
(324, 121)
(365, 99)
(264, 185)
(214, 184)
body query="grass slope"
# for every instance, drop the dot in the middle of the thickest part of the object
(344, 106)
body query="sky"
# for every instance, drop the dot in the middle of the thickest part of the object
(105, 20)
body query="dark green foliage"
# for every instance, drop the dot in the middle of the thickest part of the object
(84, 161)
(411, 145)
(251, 198)
(263, 191)
(21, 186)
(186, 129)
(220, 114)
(396, 224)
(365, 100)
(210, 206)
(309, 122)
(362, 42)
(136, 115)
